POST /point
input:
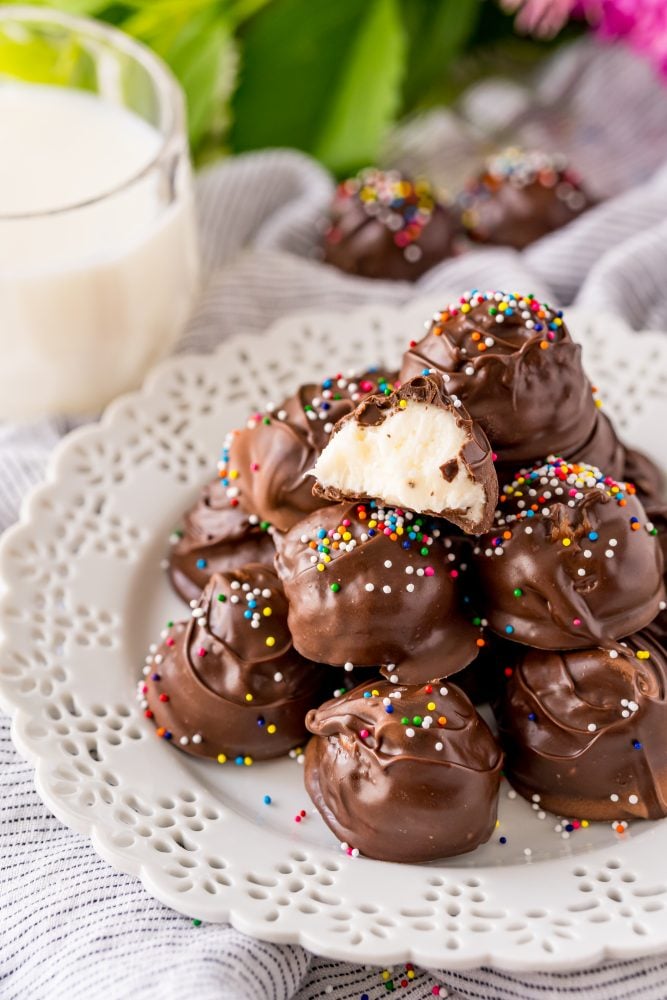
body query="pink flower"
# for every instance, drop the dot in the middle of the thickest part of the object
(641, 24)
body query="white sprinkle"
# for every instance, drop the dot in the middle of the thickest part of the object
(184, 741)
(348, 666)
(529, 530)
(633, 706)
(277, 677)
(236, 585)
(197, 738)
(409, 732)
(614, 797)
(536, 797)
(388, 563)
(386, 589)
(613, 653)
(193, 604)
(439, 746)
(409, 570)
(613, 542)
(527, 851)
(581, 572)
(609, 553)
(369, 587)
(511, 794)
(234, 599)
(410, 588)
(393, 678)
(469, 370)
(197, 612)
(592, 727)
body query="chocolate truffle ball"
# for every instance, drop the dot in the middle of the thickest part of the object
(384, 225)
(586, 730)
(415, 448)
(372, 586)
(571, 561)
(218, 535)
(228, 683)
(271, 457)
(521, 196)
(404, 773)
(511, 361)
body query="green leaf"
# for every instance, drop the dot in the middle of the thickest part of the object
(322, 77)
(200, 49)
(368, 94)
(439, 31)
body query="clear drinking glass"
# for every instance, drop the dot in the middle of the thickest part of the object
(98, 253)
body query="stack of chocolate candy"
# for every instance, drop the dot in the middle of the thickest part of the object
(389, 548)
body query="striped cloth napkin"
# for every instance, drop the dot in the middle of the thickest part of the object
(70, 926)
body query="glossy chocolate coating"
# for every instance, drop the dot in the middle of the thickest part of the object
(408, 791)
(475, 455)
(383, 225)
(571, 561)
(375, 602)
(218, 535)
(520, 197)
(272, 456)
(587, 732)
(218, 685)
(520, 378)
(642, 471)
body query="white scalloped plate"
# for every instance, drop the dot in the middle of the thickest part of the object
(84, 597)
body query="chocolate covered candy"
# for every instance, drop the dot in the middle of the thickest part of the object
(218, 535)
(404, 773)
(373, 586)
(228, 682)
(521, 196)
(511, 361)
(384, 225)
(572, 560)
(585, 730)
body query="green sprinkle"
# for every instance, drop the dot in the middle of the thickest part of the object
(266, 420)
(335, 587)
(265, 525)
(170, 624)
(424, 551)
(477, 621)
(518, 592)
(405, 721)
(417, 720)
(222, 598)
(196, 923)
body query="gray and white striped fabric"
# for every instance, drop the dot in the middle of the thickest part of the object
(70, 926)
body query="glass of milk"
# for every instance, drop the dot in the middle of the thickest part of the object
(98, 254)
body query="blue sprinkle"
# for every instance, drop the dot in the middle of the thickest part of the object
(509, 629)
(155, 677)
(167, 735)
(593, 535)
(532, 716)
(267, 800)
(327, 383)
(426, 371)
(503, 840)
(252, 604)
(530, 513)
(239, 760)
(247, 614)
(201, 564)
(321, 533)
(569, 827)
(367, 694)
(371, 532)
(405, 545)
(636, 744)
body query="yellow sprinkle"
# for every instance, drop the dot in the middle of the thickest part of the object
(372, 524)
(248, 697)
(465, 308)
(267, 612)
(643, 654)
(222, 758)
(584, 823)
(270, 641)
(247, 761)
(567, 541)
(403, 403)
(375, 692)
(386, 974)
(271, 728)
(431, 706)
(327, 559)
(233, 474)
(320, 567)
(599, 404)
(497, 823)
(411, 974)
